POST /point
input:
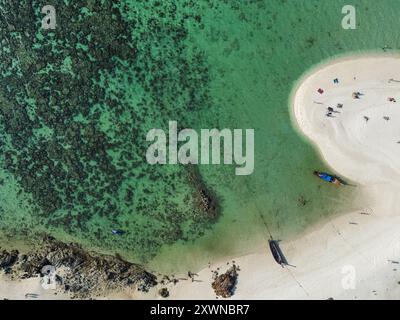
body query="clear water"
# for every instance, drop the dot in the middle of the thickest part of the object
(254, 52)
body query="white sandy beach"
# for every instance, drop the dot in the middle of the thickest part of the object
(27, 289)
(354, 256)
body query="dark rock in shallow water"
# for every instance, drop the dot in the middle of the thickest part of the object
(206, 199)
(78, 272)
(224, 284)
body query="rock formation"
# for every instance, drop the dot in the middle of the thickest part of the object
(224, 284)
(82, 274)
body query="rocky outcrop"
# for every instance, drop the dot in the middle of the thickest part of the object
(76, 271)
(8, 259)
(224, 284)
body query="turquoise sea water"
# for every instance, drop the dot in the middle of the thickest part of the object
(239, 61)
(258, 52)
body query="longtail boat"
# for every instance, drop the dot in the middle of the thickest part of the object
(277, 252)
(329, 178)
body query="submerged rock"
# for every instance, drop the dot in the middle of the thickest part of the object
(206, 199)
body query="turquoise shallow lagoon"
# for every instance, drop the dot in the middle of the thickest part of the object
(241, 61)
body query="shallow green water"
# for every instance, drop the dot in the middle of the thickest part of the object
(239, 61)
(258, 52)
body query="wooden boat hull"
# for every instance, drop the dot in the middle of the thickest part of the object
(277, 253)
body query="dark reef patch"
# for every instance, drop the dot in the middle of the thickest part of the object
(204, 197)
(75, 105)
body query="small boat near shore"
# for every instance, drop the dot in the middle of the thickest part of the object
(329, 178)
(277, 252)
